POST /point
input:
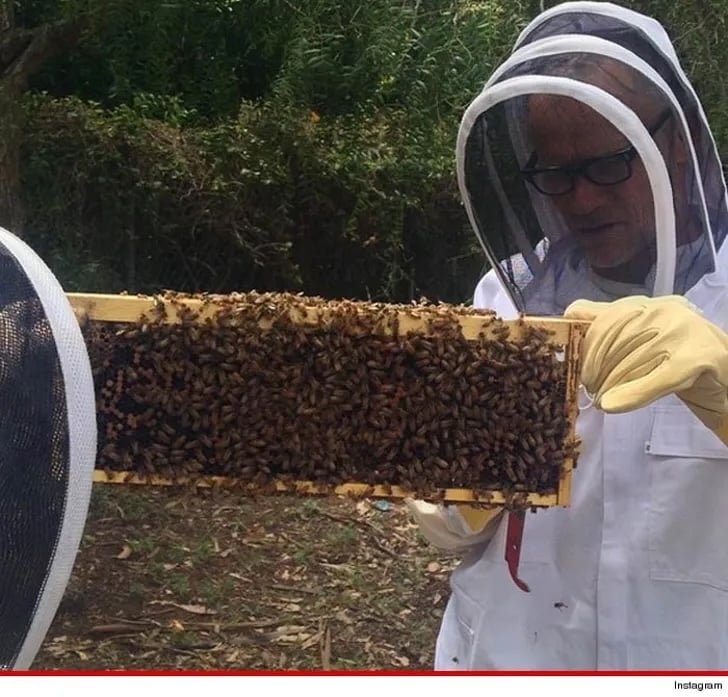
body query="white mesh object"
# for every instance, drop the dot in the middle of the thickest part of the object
(47, 449)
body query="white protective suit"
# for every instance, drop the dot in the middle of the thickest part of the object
(634, 573)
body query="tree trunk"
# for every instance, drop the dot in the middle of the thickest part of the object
(23, 52)
(11, 207)
(12, 213)
(7, 15)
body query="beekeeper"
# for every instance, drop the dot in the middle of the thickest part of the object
(591, 138)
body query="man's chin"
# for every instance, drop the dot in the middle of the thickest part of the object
(602, 264)
(623, 271)
(605, 263)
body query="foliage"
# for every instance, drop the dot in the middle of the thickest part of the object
(206, 54)
(279, 144)
(333, 57)
(271, 200)
(329, 172)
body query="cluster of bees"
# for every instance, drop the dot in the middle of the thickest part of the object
(259, 387)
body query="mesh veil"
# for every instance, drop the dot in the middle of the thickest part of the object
(47, 448)
(619, 67)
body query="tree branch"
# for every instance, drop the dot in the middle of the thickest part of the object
(12, 44)
(23, 52)
(7, 15)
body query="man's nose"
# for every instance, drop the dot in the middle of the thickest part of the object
(584, 198)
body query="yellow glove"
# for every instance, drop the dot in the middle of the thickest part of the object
(639, 349)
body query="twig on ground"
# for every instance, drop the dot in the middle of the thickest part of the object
(325, 644)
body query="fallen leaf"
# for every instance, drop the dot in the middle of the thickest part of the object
(293, 638)
(194, 609)
(226, 552)
(293, 599)
(311, 641)
(343, 617)
(287, 629)
(362, 508)
(402, 660)
(350, 594)
(125, 552)
(197, 609)
(268, 659)
(177, 626)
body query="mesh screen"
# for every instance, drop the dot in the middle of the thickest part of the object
(34, 448)
(594, 24)
(600, 238)
(646, 47)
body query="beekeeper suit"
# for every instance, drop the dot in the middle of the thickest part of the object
(590, 137)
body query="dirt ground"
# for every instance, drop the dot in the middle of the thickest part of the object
(212, 580)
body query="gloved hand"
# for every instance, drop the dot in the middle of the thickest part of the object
(454, 528)
(639, 349)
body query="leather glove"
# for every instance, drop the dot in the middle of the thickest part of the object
(639, 349)
(454, 528)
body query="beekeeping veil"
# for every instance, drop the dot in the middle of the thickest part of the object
(47, 448)
(594, 63)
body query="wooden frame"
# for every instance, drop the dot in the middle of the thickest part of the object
(130, 309)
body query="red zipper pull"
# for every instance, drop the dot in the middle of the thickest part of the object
(514, 537)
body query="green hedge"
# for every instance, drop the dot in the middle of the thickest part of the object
(303, 145)
(273, 200)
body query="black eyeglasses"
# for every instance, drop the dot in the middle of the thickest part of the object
(605, 170)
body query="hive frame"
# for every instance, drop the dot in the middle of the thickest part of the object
(132, 308)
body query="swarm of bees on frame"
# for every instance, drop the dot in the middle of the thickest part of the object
(254, 393)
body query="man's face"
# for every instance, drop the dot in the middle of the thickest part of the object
(614, 224)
